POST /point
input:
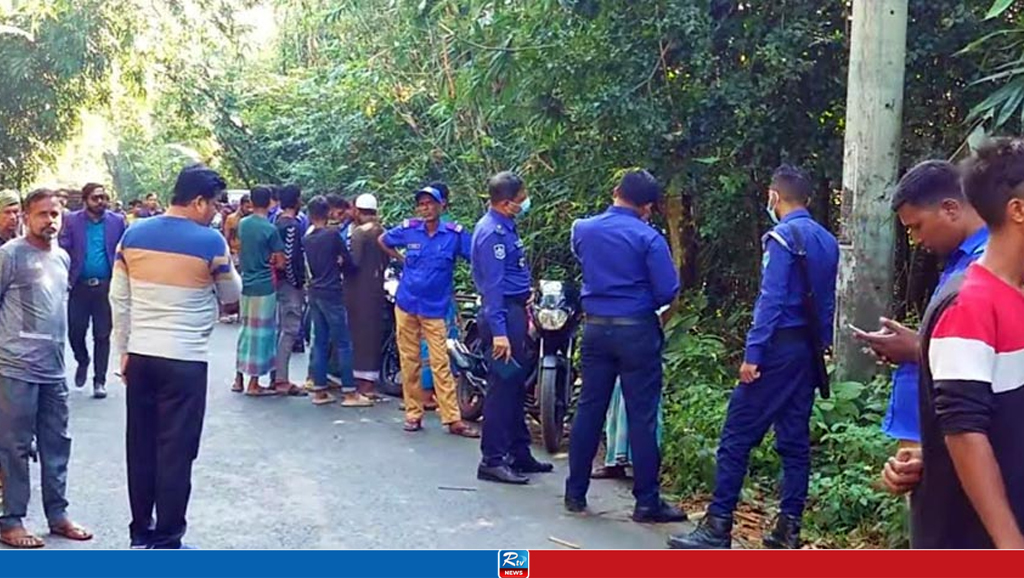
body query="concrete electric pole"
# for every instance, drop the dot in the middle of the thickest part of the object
(874, 111)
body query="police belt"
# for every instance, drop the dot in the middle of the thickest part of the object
(790, 335)
(638, 320)
(518, 299)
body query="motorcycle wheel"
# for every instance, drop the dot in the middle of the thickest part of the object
(470, 393)
(552, 408)
(471, 401)
(391, 370)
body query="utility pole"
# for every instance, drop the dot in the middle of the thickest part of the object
(874, 111)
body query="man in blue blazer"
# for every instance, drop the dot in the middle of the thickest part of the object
(90, 236)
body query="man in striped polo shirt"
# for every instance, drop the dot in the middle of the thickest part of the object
(169, 274)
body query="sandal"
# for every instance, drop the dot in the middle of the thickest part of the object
(24, 541)
(71, 531)
(260, 392)
(412, 425)
(616, 472)
(323, 399)
(357, 400)
(289, 389)
(463, 429)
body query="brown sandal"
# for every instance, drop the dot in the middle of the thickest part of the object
(25, 541)
(71, 531)
(289, 389)
(412, 425)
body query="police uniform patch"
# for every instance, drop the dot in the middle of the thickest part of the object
(499, 252)
(765, 259)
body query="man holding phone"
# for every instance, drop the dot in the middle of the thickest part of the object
(931, 205)
(502, 278)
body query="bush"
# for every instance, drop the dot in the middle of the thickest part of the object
(845, 508)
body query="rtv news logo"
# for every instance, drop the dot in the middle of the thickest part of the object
(513, 563)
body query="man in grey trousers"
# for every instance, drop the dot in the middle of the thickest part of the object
(33, 391)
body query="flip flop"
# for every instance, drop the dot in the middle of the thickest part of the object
(28, 541)
(360, 401)
(72, 531)
(324, 400)
(261, 392)
(292, 389)
(412, 425)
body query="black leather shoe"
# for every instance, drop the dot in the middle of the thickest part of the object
(713, 533)
(99, 390)
(531, 466)
(81, 374)
(786, 535)
(663, 513)
(501, 474)
(575, 505)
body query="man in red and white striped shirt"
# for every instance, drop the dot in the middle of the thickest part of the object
(971, 493)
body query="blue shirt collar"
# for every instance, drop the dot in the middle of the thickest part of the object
(623, 211)
(502, 220)
(441, 228)
(797, 214)
(973, 244)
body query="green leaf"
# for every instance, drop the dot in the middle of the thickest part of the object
(998, 7)
(707, 160)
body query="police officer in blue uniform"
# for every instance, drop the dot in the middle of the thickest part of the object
(622, 339)
(777, 378)
(432, 249)
(502, 278)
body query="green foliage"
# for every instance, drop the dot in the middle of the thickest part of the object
(848, 449)
(56, 55)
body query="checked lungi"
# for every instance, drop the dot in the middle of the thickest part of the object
(257, 341)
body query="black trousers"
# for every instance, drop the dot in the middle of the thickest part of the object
(166, 405)
(632, 354)
(87, 304)
(505, 437)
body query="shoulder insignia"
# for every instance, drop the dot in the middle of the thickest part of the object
(499, 229)
(411, 223)
(453, 227)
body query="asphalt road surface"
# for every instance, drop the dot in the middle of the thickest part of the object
(279, 473)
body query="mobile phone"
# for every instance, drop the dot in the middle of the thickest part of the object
(506, 369)
(857, 329)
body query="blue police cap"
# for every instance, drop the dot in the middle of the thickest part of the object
(434, 194)
(640, 187)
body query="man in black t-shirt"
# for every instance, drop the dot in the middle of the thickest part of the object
(328, 257)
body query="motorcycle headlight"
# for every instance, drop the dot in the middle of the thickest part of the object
(552, 319)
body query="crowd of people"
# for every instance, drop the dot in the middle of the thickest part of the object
(157, 286)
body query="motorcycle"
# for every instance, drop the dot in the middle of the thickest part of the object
(390, 370)
(556, 316)
(550, 384)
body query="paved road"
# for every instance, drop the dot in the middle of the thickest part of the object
(280, 473)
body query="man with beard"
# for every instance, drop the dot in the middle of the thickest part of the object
(33, 392)
(90, 236)
(10, 215)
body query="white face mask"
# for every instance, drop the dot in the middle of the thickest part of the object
(773, 201)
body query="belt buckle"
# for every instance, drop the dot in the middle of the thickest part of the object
(94, 282)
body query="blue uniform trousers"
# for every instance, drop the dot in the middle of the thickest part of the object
(631, 353)
(781, 398)
(505, 437)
